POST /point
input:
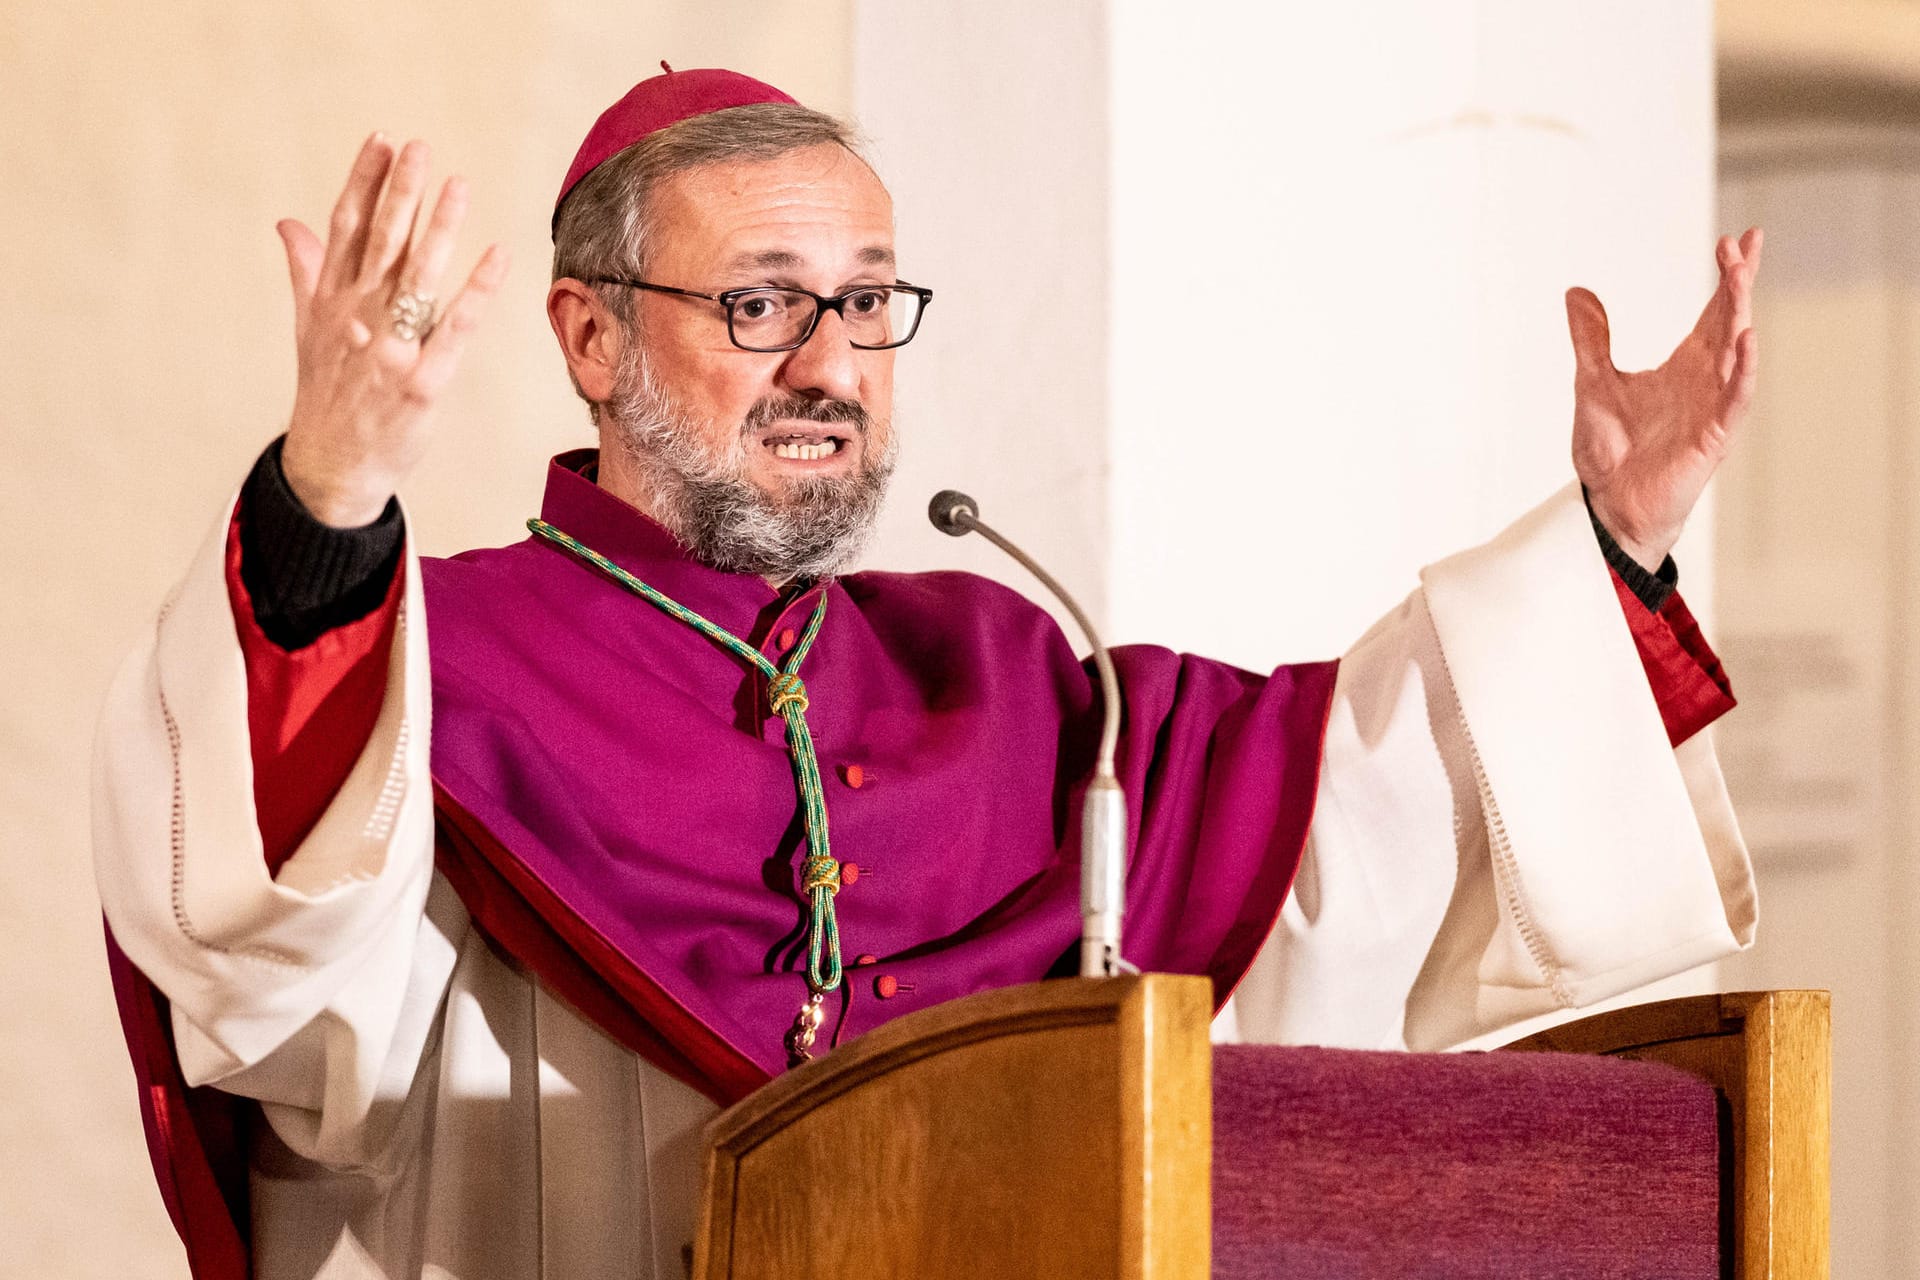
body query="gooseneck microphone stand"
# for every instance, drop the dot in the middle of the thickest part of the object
(1103, 819)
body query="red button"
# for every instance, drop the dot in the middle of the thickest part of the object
(886, 986)
(788, 639)
(862, 961)
(849, 872)
(856, 776)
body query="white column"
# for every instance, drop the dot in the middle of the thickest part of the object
(1341, 238)
(1245, 311)
(988, 121)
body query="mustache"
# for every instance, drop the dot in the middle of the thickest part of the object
(794, 408)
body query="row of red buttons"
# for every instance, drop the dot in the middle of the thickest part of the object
(886, 986)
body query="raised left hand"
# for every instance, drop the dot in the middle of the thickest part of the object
(1645, 444)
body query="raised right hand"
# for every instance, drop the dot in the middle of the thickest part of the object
(366, 395)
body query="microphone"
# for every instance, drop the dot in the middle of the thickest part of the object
(1103, 818)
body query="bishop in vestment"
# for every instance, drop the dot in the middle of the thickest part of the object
(448, 898)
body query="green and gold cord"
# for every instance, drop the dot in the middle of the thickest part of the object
(820, 873)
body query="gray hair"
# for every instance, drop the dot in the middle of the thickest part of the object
(604, 224)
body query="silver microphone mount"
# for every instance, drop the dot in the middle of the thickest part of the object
(1103, 824)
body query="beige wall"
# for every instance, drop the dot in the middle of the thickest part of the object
(1819, 548)
(145, 359)
(1820, 107)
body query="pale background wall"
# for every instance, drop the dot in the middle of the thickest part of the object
(1409, 184)
(1818, 554)
(1399, 191)
(989, 121)
(1395, 196)
(1818, 546)
(145, 358)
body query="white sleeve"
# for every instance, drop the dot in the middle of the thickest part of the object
(313, 990)
(1502, 829)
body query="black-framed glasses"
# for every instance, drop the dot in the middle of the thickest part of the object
(878, 316)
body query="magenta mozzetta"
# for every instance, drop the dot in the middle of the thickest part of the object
(630, 777)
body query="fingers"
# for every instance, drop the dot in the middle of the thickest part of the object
(428, 260)
(440, 355)
(392, 225)
(1739, 258)
(1729, 313)
(347, 228)
(305, 253)
(1715, 327)
(371, 257)
(1739, 316)
(1738, 393)
(1749, 246)
(1592, 337)
(1729, 310)
(1726, 252)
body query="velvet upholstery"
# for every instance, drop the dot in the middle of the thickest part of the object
(1330, 1164)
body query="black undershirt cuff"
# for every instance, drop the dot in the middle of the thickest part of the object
(1653, 589)
(305, 577)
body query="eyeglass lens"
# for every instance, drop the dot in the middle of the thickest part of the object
(772, 319)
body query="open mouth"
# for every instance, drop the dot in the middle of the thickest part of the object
(804, 446)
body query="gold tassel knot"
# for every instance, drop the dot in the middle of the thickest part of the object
(786, 689)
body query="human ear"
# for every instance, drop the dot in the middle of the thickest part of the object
(591, 337)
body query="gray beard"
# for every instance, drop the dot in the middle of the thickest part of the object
(815, 527)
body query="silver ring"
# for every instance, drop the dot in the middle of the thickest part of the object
(412, 316)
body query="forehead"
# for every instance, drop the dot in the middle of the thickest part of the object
(818, 208)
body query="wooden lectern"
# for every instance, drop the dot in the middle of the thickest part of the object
(1063, 1129)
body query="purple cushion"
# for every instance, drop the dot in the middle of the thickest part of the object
(1332, 1163)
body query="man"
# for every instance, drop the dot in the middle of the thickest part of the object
(476, 998)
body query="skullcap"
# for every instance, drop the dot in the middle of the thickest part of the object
(655, 103)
